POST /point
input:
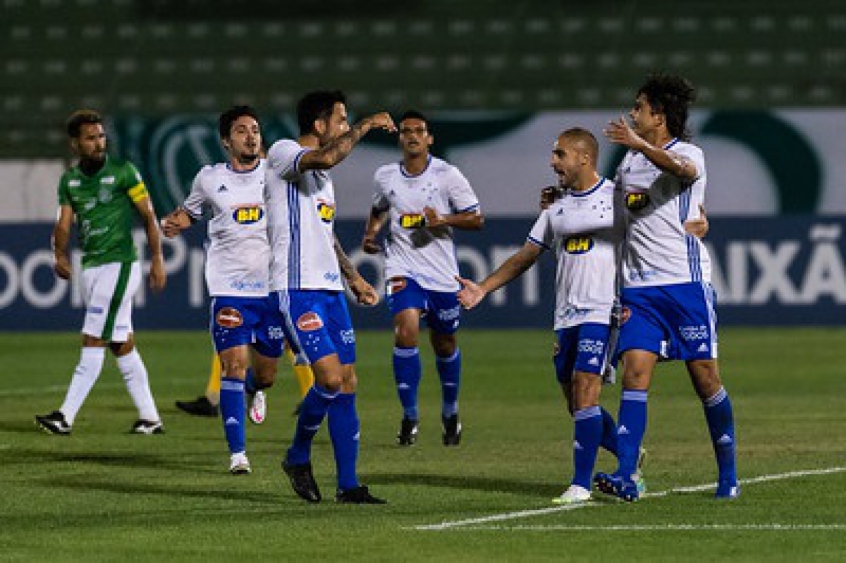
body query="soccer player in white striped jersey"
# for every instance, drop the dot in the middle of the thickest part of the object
(306, 281)
(422, 198)
(584, 229)
(237, 269)
(667, 293)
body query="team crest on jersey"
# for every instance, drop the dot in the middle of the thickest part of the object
(309, 322)
(637, 201)
(229, 317)
(578, 245)
(395, 285)
(104, 195)
(248, 215)
(412, 220)
(326, 211)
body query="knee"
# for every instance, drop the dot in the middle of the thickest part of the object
(444, 345)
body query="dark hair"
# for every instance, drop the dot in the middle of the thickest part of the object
(317, 105)
(580, 135)
(671, 95)
(79, 118)
(230, 116)
(413, 114)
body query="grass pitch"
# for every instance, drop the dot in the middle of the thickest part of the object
(103, 494)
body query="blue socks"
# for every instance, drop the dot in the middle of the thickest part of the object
(609, 432)
(449, 369)
(587, 436)
(407, 373)
(720, 418)
(313, 410)
(631, 425)
(344, 430)
(232, 412)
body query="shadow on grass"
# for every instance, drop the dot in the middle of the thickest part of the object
(464, 483)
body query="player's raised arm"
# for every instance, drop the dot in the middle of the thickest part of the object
(365, 294)
(338, 149)
(375, 222)
(468, 220)
(619, 131)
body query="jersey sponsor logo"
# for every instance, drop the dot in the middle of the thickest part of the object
(309, 322)
(326, 211)
(578, 245)
(248, 215)
(395, 285)
(229, 317)
(107, 180)
(412, 220)
(636, 201)
(75, 183)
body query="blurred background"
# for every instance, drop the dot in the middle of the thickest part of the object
(499, 81)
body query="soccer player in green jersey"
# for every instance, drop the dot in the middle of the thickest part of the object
(103, 194)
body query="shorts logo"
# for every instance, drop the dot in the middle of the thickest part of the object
(229, 317)
(591, 346)
(248, 215)
(578, 245)
(326, 211)
(625, 315)
(412, 220)
(309, 322)
(395, 285)
(637, 201)
(693, 332)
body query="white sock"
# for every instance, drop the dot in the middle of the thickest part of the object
(135, 377)
(84, 377)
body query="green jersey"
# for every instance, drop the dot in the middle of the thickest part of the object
(104, 208)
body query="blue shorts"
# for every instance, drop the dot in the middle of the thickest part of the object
(236, 321)
(580, 348)
(440, 308)
(320, 323)
(676, 322)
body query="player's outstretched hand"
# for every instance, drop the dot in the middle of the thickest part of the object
(619, 131)
(365, 294)
(698, 227)
(62, 267)
(383, 121)
(174, 222)
(370, 245)
(470, 294)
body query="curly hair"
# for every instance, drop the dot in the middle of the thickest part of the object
(671, 95)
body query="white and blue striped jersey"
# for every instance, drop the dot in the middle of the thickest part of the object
(585, 230)
(658, 250)
(238, 253)
(301, 215)
(412, 250)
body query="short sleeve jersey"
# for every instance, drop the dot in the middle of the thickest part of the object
(413, 250)
(105, 210)
(238, 255)
(585, 229)
(301, 217)
(658, 250)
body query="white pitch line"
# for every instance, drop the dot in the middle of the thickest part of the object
(693, 489)
(665, 528)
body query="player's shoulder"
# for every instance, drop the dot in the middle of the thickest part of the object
(685, 148)
(440, 166)
(284, 146)
(387, 171)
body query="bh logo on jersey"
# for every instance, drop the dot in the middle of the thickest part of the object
(637, 200)
(248, 215)
(326, 211)
(578, 245)
(412, 220)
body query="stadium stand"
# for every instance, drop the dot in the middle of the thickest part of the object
(157, 57)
